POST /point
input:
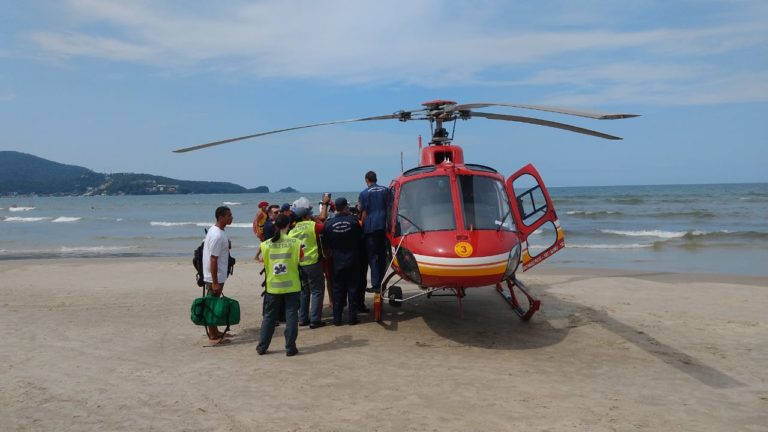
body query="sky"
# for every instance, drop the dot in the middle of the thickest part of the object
(116, 86)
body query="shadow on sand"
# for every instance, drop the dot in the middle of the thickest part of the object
(251, 336)
(490, 323)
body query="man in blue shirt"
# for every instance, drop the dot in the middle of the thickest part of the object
(373, 205)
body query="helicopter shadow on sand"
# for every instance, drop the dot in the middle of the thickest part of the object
(489, 323)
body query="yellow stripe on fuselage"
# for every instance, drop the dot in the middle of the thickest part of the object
(429, 270)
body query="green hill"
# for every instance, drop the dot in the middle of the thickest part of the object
(25, 174)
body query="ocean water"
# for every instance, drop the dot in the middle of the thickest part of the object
(720, 228)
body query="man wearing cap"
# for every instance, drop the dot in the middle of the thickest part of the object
(260, 219)
(373, 206)
(341, 235)
(310, 268)
(286, 209)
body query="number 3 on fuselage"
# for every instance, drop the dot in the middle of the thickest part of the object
(533, 210)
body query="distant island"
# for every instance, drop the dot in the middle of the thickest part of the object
(26, 174)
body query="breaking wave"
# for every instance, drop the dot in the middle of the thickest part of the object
(198, 224)
(652, 233)
(691, 235)
(242, 225)
(66, 219)
(25, 219)
(611, 246)
(18, 209)
(94, 249)
(175, 224)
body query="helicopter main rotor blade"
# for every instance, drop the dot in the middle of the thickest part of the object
(588, 114)
(215, 143)
(541, 122)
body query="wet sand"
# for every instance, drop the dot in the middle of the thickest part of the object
(108, 345)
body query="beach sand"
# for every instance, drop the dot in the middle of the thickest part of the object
(108, 345)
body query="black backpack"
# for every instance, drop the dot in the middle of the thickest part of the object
(197, 263)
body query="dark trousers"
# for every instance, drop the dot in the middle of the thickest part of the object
(376, 247)
(345, 281)
(275, 303)
(362, 282)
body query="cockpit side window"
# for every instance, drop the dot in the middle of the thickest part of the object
(485, 203)
(425, 205)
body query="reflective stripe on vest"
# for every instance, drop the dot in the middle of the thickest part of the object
(281, 264)
(305, 231)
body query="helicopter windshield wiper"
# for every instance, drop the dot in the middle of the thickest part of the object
(412, 223)
(504, 219)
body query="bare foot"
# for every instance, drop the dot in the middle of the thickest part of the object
(218, 342)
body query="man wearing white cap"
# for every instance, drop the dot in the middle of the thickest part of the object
(310, 268)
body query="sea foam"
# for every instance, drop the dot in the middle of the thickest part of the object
(94, 249)
(25, 219)
(66, 219)
(650, 233)
(17, 209)
(175, 224)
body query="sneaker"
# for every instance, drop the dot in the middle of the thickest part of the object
(372, 290)
(304, 323)
(261, 350)
(337, 323)
(318, 324)
(291, 353)
(354, 321)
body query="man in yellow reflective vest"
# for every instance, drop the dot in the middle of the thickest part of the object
(306, 230)
(281, 255)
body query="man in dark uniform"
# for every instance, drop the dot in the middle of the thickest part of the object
(373, 205)
(341, 235)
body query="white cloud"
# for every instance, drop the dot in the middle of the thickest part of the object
(73, 45)
(430, 42)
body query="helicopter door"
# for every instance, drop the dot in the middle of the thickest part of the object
(534, 215)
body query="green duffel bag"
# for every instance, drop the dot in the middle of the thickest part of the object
(215, 311)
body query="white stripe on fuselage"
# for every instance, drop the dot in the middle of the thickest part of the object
(493, 259)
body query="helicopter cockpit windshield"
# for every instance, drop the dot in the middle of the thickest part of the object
(484, 203)
(425, 205)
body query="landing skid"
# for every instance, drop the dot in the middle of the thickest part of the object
(394, 294)
(395, 297)
(512, 300)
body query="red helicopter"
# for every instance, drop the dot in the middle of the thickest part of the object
(454, 225)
